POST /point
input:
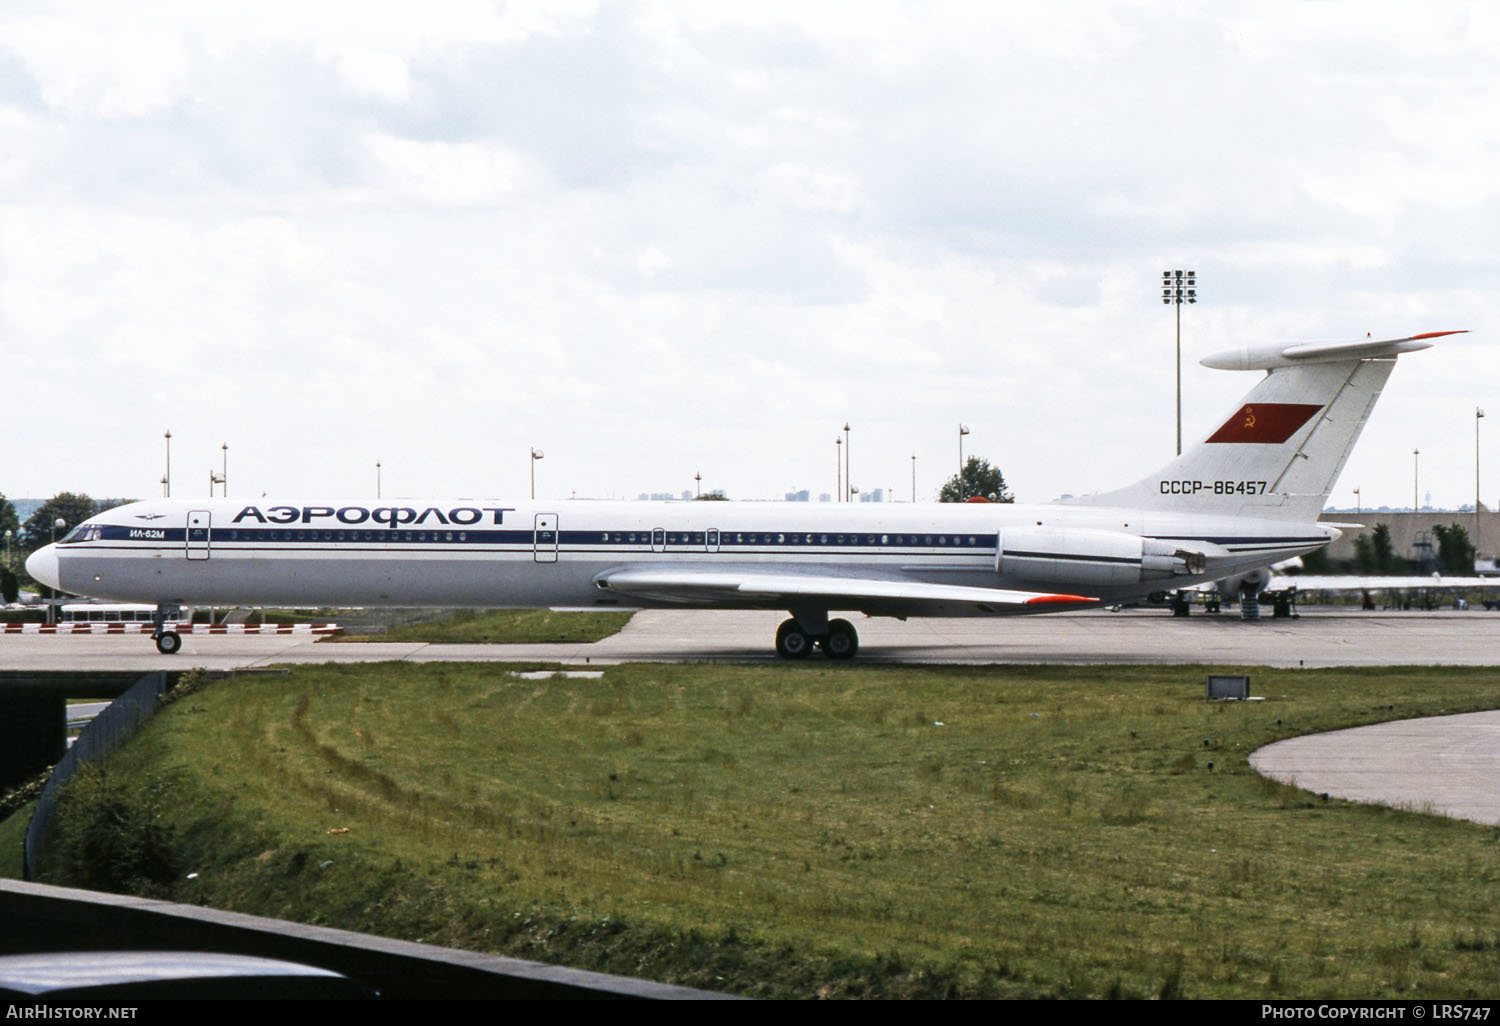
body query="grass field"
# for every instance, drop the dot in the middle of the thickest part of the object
(814, 830)
(503, 627)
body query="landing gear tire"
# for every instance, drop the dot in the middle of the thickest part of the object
(792, 642)
(842, 641)
(168, 642)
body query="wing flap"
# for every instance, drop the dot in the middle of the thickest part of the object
(781, 590)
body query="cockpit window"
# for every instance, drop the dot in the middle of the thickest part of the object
(82, 533)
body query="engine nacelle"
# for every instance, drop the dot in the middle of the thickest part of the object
(1085, 557)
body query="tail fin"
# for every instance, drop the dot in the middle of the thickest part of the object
(1280, 453)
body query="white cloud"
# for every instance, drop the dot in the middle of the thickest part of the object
(658, 238)
(446, 174)
(124, 73)
(370, 72)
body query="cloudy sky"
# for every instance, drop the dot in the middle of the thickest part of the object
(657, 239)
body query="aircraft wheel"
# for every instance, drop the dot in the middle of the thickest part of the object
(168, 642)
(792, 642)
(842, 641)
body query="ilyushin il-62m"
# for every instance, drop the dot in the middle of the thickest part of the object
(1245, 497)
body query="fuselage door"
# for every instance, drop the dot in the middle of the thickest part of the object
(544, 543)
(198, 533)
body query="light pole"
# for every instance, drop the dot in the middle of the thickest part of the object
(536, 454)
(1357, 507)
(1178, 287)
(846, 459)
(166, 480)
(962, 430)
(1415, 464)
(57, 525)
(377, 479)
(913, 477)
(224, 479)
(698, 484)
(838, 469)
(7, 548)
(1478, 416)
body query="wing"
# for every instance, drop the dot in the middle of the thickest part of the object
(744, 587)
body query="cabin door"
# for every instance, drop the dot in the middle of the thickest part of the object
(544, 540)
(197, 534)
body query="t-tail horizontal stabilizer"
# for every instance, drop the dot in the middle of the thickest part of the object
(1279, 454)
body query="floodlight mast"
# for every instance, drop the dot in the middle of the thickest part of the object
(1178, 287)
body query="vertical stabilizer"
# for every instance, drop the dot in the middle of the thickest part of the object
(1280, 452)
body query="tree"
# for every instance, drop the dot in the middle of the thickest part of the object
(1455, 551)
(1317, 562)
(72, 509)
(979, 479)
(8, 520)
(1381, 551)
(9, 587)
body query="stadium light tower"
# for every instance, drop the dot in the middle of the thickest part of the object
(849, 496)
(838, 469)
(1478, 416)
(1178, 287)
(962, 430)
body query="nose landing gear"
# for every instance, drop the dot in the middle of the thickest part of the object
(168, 642)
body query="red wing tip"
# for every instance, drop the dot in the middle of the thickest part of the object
(1075, 599)
(1440, 334)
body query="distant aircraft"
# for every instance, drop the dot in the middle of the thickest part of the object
(1282, 585)
(1245, 497)
(1287, 589)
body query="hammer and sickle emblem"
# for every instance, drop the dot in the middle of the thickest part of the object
(1249, 417)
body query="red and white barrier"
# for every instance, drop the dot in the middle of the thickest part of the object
(97, 627)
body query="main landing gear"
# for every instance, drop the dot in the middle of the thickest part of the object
(167, 642)
(796, 638)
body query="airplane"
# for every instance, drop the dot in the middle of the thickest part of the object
(1246, 496)
(1287, 589)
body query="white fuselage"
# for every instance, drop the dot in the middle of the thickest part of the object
(477, 553)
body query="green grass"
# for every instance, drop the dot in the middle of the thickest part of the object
(13, 840)
(824, 830)
(504, 627)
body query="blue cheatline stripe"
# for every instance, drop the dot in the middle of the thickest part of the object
(676, 540)
(1074, 557)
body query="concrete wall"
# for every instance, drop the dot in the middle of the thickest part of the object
(1409, 532)
(36, 917)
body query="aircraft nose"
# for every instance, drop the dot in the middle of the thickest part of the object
(42, 566)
